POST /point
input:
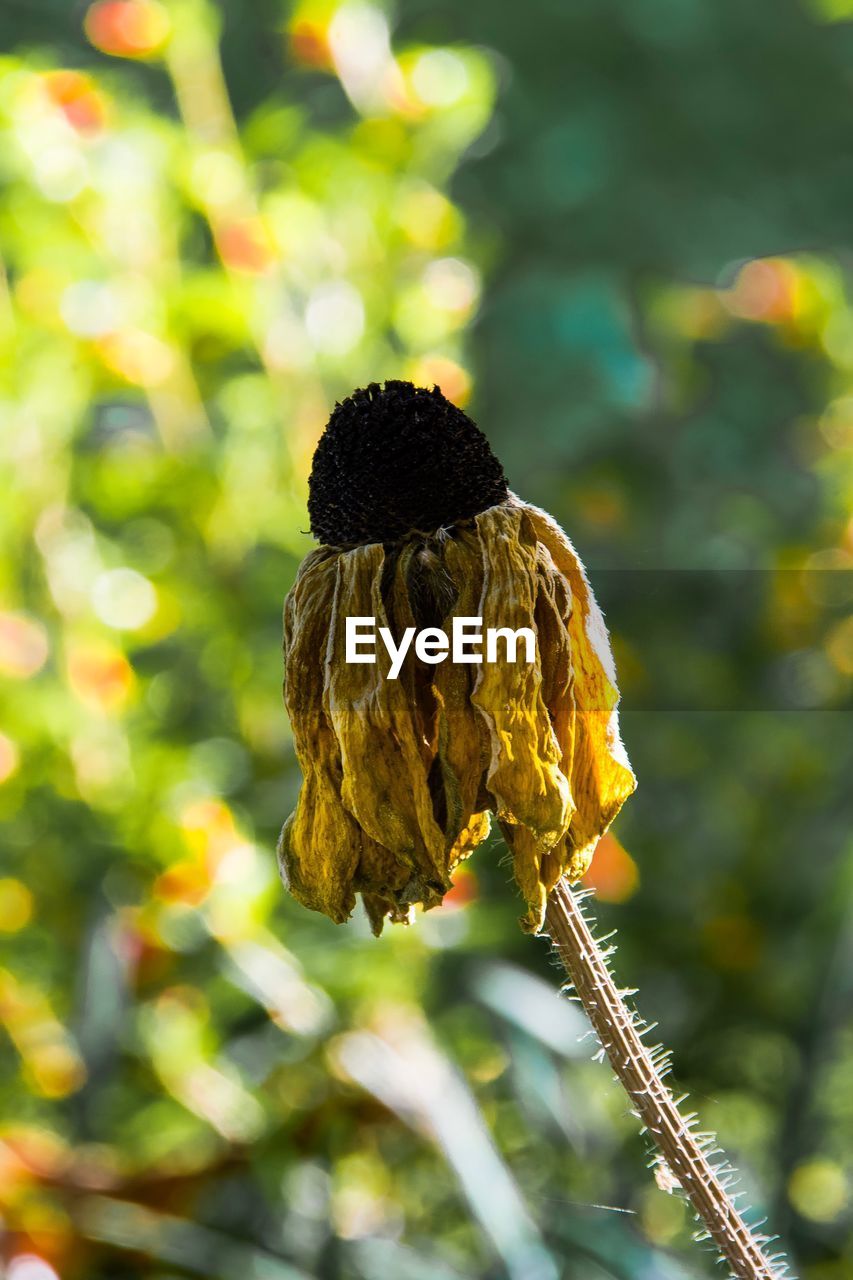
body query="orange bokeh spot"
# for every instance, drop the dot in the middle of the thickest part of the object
(446, 374)
(210, 833)
(32, 1153)
(309, 45)
(139, 357)
(100, 675)
(465, 888)
(765, 290)
(186, 881)
(244, 245)
(128, 28)
(207, 815)
(614, 874)
(83, 106)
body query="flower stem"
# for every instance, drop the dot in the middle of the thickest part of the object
(686, 1154)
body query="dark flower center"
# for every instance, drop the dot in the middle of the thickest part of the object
(399, 458)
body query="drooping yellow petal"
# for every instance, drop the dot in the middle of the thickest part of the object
(601, 776)
(385, 784)
(320, 844)
(383, 881)
(527, 857)
(403, 613)
(463, 741)
(472, 834)
(524, 774)
(400, 774)
(552, 615)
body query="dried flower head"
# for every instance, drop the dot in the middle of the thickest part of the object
(401, 775)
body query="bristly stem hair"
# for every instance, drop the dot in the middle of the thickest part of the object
(640, 1069)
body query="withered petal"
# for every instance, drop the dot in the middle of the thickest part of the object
(414, 676)
(527, 856)
(601, 776)
(385, 783)
(320, 843)
(385, 884)
(463, 745)
(524, 774)
(400, 774)
(475, 831)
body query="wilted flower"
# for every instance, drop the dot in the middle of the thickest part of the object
(401, 775)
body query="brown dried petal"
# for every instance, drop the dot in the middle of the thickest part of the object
(524, 773)
(527, 856)
(385, 784)
(320, 844)
(472, 834)
(414, 676)
(553, 612)
(601, 776)
(399, 774)
(383, 881)
(463, 743)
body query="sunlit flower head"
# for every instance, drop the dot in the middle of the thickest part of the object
(402, 773)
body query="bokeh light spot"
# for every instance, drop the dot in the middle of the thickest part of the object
(56, 1069)
(359, 40)
(77, 97)
(427, 218)
(28, 1266)
(90, 309)
(23, 646)
(451, 284)
(217, 178)
(614, 874)
(308, 43)
(439, 78)
(128, 28)
(123, 599)
(139, 357)
(10, 757)
(16, 905)
(334, 317)
(245, 245)
(765, 290)
(836, 423)
(450, 378)
(61, 172)
(464, 891)
(818, 1190)
(100, 675)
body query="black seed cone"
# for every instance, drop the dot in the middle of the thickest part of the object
(398, 458)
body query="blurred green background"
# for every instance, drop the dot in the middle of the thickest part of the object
(619, 233)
